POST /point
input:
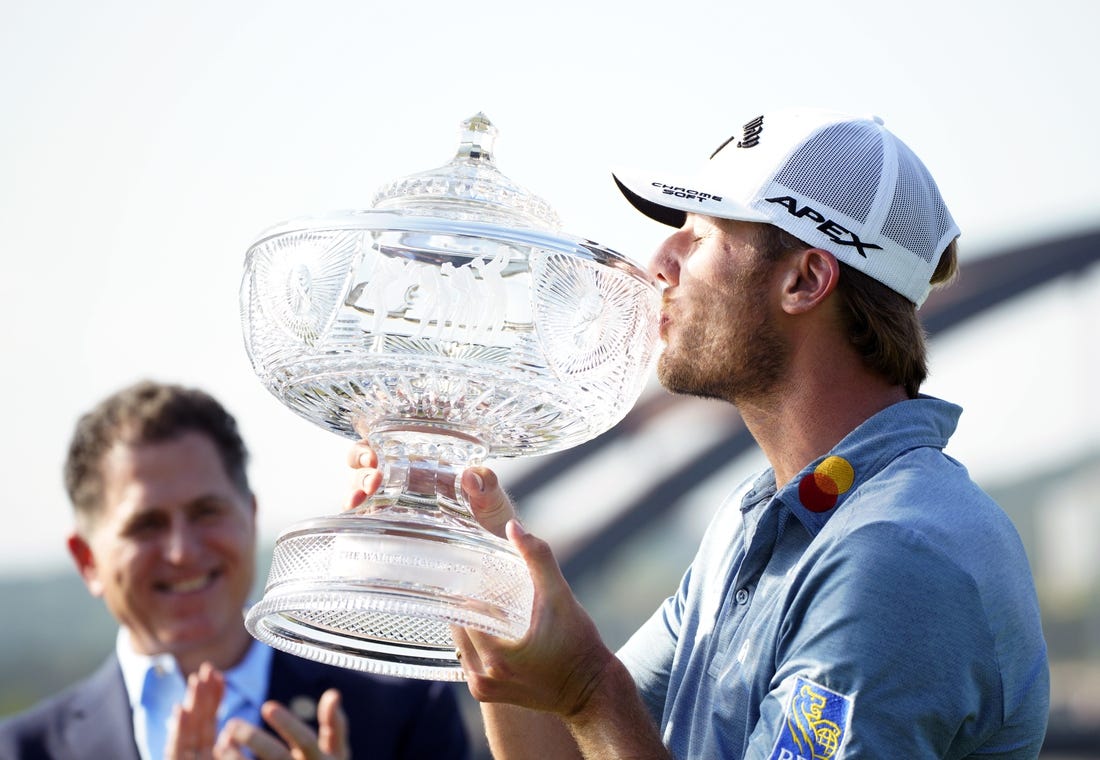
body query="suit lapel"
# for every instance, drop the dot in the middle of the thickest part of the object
(99, 722)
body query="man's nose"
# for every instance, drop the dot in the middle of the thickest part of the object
(182, 541)
(665, 264)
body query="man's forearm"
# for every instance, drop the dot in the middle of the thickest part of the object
(516, 733)
(614, 723)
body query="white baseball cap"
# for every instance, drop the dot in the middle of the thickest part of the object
(838, 181)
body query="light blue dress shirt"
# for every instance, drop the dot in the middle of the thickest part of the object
(155, 685)
(879, 605)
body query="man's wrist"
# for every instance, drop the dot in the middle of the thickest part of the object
(613, 721)
(595, 669)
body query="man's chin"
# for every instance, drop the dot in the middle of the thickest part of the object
(191, 634)
(678, 378)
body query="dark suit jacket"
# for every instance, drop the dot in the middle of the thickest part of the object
(388, 718)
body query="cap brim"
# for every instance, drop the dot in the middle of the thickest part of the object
(663, 214)
(669, 200)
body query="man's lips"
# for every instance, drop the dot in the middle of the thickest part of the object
(188, 585)
(665, 320)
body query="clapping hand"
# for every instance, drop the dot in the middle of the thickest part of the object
(193, 733)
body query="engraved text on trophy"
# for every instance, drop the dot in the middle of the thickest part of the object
(467, 297)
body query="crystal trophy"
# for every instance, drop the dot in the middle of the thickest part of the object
(450, 322)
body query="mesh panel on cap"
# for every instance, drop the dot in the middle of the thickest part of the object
(916, 220)
(857, 148)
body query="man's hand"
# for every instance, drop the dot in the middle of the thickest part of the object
(331, 743)
(195, 722)
(555, 666)
(192, 733)
(558, 663)
(490, 504)
(559, 667)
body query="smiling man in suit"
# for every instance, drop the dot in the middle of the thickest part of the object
(165, 534)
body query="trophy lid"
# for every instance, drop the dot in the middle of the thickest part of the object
(469, 187)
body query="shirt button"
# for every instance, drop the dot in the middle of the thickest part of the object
(742, 596)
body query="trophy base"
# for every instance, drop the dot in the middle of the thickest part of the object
(380, 591)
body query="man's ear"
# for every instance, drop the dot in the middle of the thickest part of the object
(809, 277)
(84, 558)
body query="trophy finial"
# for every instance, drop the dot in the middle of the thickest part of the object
(469, 186)
(477, 138)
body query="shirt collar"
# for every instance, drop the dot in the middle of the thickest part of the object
(248, 678)
(821, 488)
(135, 666)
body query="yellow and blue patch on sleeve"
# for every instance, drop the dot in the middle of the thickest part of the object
(815, 724)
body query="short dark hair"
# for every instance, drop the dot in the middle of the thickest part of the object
(882, 325)
(146, 412)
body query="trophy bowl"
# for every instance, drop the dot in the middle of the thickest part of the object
(450, 322)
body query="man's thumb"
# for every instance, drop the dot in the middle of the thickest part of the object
(490, 504)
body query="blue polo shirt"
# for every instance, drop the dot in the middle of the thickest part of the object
(878, 605)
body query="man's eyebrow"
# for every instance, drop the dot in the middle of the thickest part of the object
(209, 500)
(139, 517)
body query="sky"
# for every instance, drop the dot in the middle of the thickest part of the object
(144, 146)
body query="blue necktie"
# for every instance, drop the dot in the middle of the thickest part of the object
(161, 691)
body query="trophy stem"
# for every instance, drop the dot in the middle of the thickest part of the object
(378, 588)
(422, 468)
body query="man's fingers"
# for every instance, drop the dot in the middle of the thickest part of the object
(365, 478)
(362, 455)
(293, 731)
(363, 483)
(228, 751)
(332, 725)
(209, 690)
(466, 649)
(239, 733)
(490, 504)
(193, 726)
(541, 562)
(176, 728)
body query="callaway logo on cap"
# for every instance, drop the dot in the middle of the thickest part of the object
(839, 182)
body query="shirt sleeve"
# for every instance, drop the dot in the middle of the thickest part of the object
(651, 653)
(648, 654)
